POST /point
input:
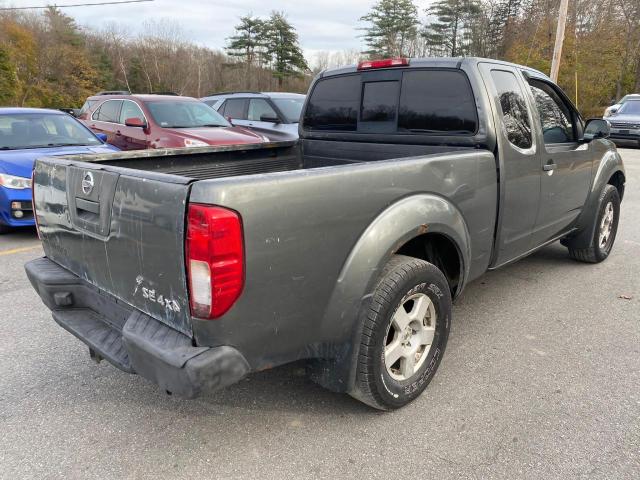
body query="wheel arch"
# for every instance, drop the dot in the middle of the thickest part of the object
(610, 171)
(414, 226)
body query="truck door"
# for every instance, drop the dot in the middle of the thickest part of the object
(519, 166)
(565, 162)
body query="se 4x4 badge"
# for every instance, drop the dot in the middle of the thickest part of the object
(152, 295)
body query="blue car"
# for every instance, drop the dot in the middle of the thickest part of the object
(25, 135)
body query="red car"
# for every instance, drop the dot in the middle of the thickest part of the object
(137, 122)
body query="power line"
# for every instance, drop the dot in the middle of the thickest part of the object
(75, 5)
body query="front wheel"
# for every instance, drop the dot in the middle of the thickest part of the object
(608, 215)
(404, 335)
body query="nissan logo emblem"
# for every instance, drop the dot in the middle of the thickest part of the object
(87, 183)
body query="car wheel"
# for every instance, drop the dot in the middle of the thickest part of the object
(404, 334)
(606, 228)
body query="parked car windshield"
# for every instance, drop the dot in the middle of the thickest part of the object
(631, 107)
(291, 107)
(181, 114)
(37, 130)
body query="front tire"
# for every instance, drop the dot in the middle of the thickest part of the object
(404, 335)
(608, 216)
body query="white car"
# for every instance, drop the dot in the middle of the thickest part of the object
(275, 115)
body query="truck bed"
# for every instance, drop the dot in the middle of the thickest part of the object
(237, 160)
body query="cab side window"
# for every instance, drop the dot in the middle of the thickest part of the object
(515, 113)
(555, 116)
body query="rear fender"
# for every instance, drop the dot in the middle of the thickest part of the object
(342, 323)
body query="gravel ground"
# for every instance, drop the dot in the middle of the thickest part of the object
(541, 380)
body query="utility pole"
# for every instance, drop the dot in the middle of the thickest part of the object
(557, 49)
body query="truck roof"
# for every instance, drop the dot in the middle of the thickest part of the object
(437, 62)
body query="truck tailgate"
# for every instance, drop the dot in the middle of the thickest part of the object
(119, 229)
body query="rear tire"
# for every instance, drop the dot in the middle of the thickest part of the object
(604, 236)
(405, 333)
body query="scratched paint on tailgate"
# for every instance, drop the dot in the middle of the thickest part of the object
(123, 234)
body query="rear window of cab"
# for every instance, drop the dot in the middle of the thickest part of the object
(425, 101)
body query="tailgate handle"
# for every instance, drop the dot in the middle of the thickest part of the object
(83, 205)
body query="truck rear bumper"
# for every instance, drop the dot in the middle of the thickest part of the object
(131, 340)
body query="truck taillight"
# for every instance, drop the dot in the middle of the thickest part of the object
(386, 63)
(215, 259)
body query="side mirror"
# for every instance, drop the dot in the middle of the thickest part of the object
(135, 122)
(268, 118)
(102, 136)
(596, 128)
(229, 119)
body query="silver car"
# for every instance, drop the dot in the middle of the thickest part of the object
(616, 106)
(275, 115)
(625, 123)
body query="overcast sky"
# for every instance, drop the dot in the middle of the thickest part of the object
(321, 24)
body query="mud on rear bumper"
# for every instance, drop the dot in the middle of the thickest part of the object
(131, 340)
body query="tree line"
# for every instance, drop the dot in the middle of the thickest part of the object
(47, 60)
(601, 54)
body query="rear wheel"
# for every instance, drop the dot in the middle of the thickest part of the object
(404, 335)
(608, 215)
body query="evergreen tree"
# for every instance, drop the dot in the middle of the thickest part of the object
(282, 48)
(501, 18)
(450, 33)
(393, 26)
(66, 70)
(248, 43)
(63, 28)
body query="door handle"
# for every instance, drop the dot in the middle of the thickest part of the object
(550, 166)
(118, 133)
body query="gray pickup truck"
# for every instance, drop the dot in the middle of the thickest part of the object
(411, 178)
